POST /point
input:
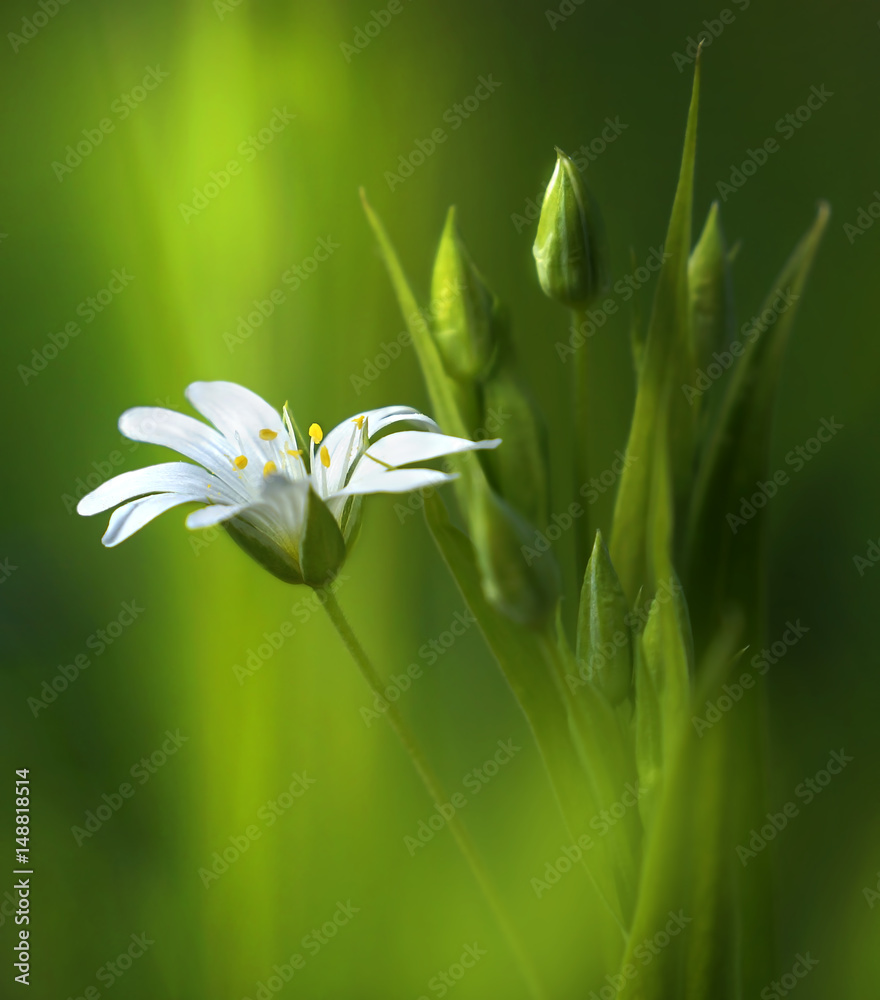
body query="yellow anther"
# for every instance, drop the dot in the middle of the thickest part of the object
(269, 468)
(296, 454)
(267, 435)
(240, 462)
(359, 421)
(316, 434)
(325, 456)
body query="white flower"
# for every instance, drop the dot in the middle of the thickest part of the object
(257, 478)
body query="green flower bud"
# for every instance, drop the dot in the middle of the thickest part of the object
(711, 291)
(569, 248)
(464, 311)
(524, 588)
(603, 640)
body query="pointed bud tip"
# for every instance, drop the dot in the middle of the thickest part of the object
(569, 248)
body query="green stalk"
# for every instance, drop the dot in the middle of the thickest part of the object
(581, 406)
(436, 792)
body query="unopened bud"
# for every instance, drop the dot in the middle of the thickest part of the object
(569, 248)
(464, 311)
(603, 641)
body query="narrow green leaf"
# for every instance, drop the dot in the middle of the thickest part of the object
(436, 379)
(687, 886)
(736, 456)
(666, 354)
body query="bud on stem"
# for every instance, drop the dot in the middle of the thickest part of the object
(569, 248)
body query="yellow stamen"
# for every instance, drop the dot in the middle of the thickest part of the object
(269, 468)
(325, 456)
(359, 421)
(296, 454)
(267, 435)
(316, 434)
(240, 462)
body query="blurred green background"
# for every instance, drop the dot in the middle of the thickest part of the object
(230, 68)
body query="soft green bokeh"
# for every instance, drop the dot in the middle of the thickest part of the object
(206, 606)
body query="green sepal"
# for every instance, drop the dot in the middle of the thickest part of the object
(322, 547)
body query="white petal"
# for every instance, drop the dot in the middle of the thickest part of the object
(395, 481)
(186, 435)
(131, 517)
(343, 444)
(238, 414)
(407, 447)
(206, 517)
(174, 477)
(386, 416)
(284, 503)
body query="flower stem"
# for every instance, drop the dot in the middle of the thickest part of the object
(435, 790)
(583, 540)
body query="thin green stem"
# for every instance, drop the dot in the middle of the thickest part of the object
(556, 669)
(581, 406)
(436, 792)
